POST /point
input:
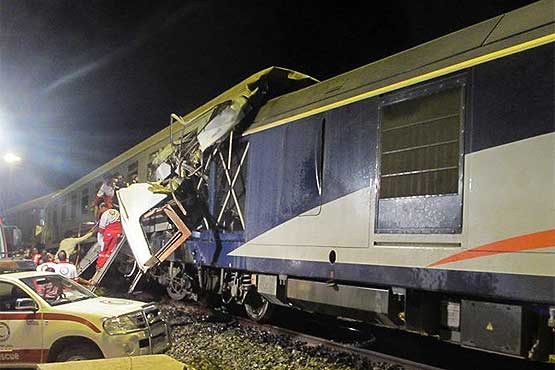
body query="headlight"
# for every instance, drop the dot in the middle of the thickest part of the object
(124, 324)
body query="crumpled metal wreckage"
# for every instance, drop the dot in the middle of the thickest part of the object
(182, 166)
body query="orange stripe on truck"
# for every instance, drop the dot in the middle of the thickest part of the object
(542, 239)
(18, 356)
(65, 317)
(49, 316)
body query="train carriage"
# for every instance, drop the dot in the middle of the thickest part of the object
(415, 192)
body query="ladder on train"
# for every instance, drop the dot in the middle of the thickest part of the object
(89, 259)
(100, 273)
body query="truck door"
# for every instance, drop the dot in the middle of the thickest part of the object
(20, 331)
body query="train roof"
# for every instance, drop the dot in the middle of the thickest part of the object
(33, 203)
(508, 33)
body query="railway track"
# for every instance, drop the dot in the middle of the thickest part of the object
(377, 359)
(373, 356)
(344, 343)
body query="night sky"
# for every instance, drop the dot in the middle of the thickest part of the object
(81, 81)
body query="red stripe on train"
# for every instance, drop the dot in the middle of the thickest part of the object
(542, 239)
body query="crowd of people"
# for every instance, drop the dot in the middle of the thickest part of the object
(108, 227)
(47, 262)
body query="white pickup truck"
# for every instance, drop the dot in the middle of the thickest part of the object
(45, 317)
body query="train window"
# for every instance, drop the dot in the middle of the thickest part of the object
(420, 146)
(151, 169)
(420, 160)
(133, 172)
(63, 212)
(84, 200)
(73, 205)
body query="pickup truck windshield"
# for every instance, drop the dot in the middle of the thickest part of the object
(57, 290)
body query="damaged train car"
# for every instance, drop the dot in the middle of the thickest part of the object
(415, 192)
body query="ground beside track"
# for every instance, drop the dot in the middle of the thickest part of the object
(216, 341)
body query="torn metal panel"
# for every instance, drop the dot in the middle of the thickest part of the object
(135, 201)
(212, 122)
(223, 121)
(256, 89)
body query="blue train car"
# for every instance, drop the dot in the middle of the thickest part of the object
(414, 192)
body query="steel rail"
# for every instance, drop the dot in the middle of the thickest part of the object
(337, 346)
(311, 340)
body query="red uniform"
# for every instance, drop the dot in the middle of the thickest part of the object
(36, 258)
(105, 194)
(109, 231)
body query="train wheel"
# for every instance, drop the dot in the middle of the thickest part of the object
(258, 308)
(179, 287)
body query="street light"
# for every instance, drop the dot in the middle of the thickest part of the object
(11, 158)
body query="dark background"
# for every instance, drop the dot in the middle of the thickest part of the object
(81, 81)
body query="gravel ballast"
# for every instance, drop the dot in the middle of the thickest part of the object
(216, 341)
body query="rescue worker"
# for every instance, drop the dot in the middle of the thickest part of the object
(68, 269)
(69, 245)
(109, 231)
(46, 266)
(41, 257)
(106, 192)
(35, 255)
(64, 267)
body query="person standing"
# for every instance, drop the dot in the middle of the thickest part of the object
(68, 269)
(109, 231)
(65, 268)
(35, 255)
(69, 245)
(106, 192)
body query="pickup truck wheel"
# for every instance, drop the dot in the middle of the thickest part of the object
(78, 353)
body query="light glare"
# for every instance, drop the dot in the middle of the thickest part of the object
(11, 158)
